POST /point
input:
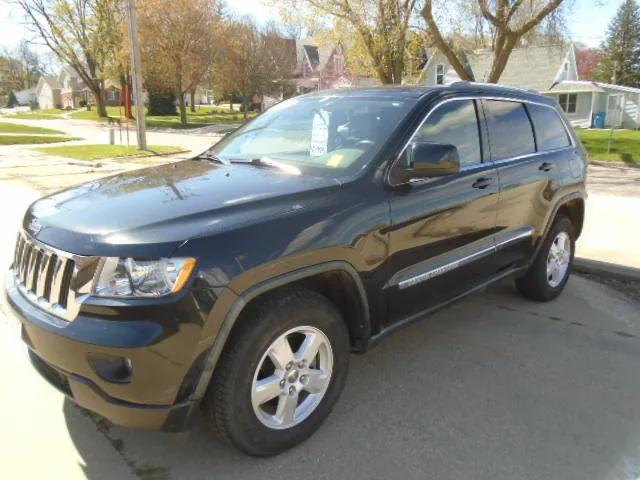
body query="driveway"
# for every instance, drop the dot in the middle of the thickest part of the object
(612, 230)
(493, 387)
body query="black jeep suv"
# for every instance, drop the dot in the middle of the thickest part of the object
(241, 280)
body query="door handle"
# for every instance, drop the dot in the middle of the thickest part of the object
(546, 166)
(482, 183)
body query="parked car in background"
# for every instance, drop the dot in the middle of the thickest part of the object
(241, 280)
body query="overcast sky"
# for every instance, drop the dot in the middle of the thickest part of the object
(588, 19)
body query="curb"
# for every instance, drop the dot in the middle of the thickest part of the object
(584, 265)
(612, 164)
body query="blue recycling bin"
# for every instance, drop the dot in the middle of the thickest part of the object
(598, 120)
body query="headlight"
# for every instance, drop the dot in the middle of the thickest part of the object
(126, 277)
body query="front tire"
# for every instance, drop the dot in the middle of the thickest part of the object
(549, 273)
(281, 373)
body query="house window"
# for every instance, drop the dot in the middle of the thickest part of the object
(568, 102)
(439, 74)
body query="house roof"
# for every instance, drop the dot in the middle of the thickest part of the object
(536, 68)
(312, 55)
(586, 86)
(51, 81)
(575, 87)
(318, 53)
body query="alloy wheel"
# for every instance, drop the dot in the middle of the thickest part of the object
(558, 259)
(292, 377)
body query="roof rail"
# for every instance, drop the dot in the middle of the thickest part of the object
(482, 84)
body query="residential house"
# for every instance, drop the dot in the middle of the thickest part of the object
(48, 92)
(553, 71)
(67, 90)
(586, 102)
(26, 97)
(536, 68)
(73, 90)
(319, 67)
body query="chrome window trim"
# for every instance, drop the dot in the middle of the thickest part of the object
(483, 163)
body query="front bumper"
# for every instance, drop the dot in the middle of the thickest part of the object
(161, 342)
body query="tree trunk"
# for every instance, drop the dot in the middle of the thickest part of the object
(230, 104)
(101, 108)
(501, 57)
(442, 44)
(183, 109)
(245, 108)
(128, 100)
(192, 94)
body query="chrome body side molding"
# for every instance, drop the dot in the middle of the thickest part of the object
(459, 257)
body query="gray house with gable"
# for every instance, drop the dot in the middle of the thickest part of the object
(551, 70)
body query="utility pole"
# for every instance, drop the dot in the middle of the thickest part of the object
(614, 78)
(137, 75)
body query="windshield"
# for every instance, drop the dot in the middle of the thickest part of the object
(324, 134)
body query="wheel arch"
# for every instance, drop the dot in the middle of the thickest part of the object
(338, 280)
(574, 209)
(572, 205)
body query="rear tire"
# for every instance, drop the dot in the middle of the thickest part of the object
(265, 397)
(549, 273)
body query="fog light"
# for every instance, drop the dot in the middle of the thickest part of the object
(111, 368)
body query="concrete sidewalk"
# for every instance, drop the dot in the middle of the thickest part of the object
(612, 219)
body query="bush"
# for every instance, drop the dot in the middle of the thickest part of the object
(82, 103)
(162, 104)
(12, 101)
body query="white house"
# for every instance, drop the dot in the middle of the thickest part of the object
(26, 97)
(72, 88)
(48, 92)
(64, 90)
(584, 101)
(552, 71)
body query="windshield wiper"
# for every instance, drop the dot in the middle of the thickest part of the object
(258, 162)
(212, 157)
(268, 163)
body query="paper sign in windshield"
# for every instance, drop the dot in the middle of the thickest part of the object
(319, 134)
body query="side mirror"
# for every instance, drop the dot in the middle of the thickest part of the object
(432, 160)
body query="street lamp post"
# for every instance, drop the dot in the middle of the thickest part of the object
(137, 75)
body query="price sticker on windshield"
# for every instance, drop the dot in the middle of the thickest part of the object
(319, 134)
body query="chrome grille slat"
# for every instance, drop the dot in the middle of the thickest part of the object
(26, 253)
(41, 278)
(55, 281)
(56, 284)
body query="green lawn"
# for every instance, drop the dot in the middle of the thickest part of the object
(44, 114)
(204, 115)
(96, 152)
(625, 145)
(6, 127)
(32, 139)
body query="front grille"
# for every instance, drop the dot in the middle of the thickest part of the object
(52, 279)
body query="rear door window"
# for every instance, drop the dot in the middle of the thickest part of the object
(510, 132)
(550, 131)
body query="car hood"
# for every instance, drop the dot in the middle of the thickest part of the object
(150, 212)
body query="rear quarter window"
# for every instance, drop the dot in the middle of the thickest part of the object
(510, 133)
(549, 128)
